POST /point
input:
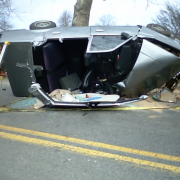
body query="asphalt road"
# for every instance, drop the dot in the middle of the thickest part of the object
(98, 145)
(90, 145)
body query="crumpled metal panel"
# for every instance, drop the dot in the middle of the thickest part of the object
(149, 33)
(153, 68)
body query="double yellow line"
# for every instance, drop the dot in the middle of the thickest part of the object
(90, 152)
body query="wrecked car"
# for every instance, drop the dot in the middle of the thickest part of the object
(99, 65)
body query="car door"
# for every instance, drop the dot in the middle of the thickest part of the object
(18, 61)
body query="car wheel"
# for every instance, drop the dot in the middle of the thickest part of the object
(42, 25)
(160, 29)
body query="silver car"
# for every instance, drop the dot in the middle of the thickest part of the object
(96, 64)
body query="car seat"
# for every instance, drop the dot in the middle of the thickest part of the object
(54, 61)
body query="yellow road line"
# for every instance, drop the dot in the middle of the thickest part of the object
(6, 109)
(92, 143)
(129, 108)
(89, 152)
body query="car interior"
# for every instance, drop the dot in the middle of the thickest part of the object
(67, 66)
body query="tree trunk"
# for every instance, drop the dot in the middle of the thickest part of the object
(82, 10)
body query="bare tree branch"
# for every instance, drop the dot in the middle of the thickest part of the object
(65, 20)
(106, 20)
(170, 18)
(5, 25)
(5, 7)
(5, 12)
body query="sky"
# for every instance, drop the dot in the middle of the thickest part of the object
(124, 12)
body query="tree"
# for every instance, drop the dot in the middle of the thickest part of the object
(82, 10)
(4, 24)
(170, 18)
(65, 20)
(106, 20)
(5, 11)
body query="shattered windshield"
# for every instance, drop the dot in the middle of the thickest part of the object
(101, 43)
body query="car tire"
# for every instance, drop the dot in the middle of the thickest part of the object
(42, 25)
(160, 29)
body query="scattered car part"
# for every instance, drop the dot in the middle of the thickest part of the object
(1, 78)
(163, 95)
(173, 82)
